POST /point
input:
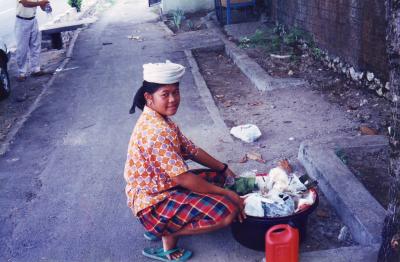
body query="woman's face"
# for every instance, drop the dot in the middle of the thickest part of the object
(165, 100)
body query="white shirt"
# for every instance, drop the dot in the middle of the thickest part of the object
(26, 12)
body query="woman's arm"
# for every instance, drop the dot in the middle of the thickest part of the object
(197, 184)
(27, 3)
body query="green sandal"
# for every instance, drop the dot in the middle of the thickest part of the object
(161, 255)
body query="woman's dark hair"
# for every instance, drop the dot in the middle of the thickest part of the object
(138, 100)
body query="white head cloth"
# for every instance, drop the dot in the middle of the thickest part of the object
(163, 73)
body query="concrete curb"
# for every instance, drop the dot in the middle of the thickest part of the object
(19, 124)
(343, 254)
(206, 95)
(257, 75)
(249, 68)
(204, 39)
(166, 28)
(357, 208)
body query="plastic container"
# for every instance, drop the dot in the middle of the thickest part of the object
(251, 232)
(48, 9)
(282, 244)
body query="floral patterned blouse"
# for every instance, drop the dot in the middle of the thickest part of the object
(156, 152)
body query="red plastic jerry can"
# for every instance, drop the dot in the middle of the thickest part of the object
(282, 244)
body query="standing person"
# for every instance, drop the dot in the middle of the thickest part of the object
(28, 37)
(169, 199)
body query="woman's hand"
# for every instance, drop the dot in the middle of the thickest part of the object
(229, 177)
(239, 202)
(228, 173)
(42, 4)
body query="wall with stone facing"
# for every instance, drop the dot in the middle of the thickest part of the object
(354, 30)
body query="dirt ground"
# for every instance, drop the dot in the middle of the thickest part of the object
(282, 117)
(285, 116)
(363, 104)
(372, 169)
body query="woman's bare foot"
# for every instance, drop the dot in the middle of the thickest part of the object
(170, 242)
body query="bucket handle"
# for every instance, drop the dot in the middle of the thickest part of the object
(277, 229)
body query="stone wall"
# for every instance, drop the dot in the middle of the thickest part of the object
(353, 30)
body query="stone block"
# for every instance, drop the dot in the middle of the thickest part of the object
(327, 20)
(353, 203)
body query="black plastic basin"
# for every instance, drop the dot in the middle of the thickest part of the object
(251, 233)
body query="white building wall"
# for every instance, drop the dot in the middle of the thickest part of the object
(188, 6)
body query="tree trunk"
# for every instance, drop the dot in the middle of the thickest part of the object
(390, 249)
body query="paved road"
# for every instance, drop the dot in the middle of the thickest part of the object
(7, 17)
(61, 183)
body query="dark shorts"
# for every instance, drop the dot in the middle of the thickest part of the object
(184, 207)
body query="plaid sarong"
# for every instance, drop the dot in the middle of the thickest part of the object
(184, 207)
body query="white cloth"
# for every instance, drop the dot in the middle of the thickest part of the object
(163, 73)
(26, 12)
(28, 42)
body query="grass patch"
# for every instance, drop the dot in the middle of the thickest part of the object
(281, 40)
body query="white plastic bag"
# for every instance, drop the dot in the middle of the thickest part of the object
(278, 179)
(273, 205)
(278, 205)
(248, 133)
(306, 200)
(262, 183)
(295, 185)
(252, 205)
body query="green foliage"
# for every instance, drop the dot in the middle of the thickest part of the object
(296, 36)
(279, 29)
(316, 52)
(292, 38)
(259, 38)
(282, 40)
(276, 43)
(295, 59)
(244, 42)
(190, 24)
(178, 16)
(76, 3)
